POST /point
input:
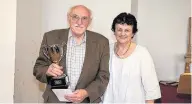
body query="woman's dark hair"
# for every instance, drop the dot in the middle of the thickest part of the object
(125, 18)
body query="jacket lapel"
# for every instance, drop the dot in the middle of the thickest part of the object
(63, 36)
(90, 48)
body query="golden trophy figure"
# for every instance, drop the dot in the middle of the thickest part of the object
(55, 53)
(184, 86)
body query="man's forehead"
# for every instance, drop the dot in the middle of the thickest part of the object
(82, 11)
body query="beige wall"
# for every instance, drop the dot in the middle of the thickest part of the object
(27, 46)
(163, 28)
(7, 49)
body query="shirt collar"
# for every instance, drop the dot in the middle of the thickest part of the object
(71, 36)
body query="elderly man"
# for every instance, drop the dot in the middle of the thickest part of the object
(85, 62)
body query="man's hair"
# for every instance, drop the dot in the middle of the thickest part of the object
(73, 7)
(125, 18)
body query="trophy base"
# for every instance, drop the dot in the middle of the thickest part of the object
(184, 86)
(58, 83)
(59, 87)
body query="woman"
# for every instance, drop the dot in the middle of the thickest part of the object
(132, 73)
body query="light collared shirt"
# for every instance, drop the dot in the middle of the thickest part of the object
(74, 59)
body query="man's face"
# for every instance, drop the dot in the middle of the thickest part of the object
(79, 20)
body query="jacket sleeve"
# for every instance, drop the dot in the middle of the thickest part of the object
(41, 64)
(97, 88)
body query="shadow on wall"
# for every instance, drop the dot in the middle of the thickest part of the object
(179, 65)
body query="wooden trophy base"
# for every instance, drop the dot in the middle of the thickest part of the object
(184, 86)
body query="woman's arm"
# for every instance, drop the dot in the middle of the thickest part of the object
(149, 101)
(149, 78)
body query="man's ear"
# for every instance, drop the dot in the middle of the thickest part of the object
(90, 20)
(68, 18)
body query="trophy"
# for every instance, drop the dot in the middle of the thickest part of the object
(55, 53)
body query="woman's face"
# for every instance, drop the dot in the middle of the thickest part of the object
(123, 33)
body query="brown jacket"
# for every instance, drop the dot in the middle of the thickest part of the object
(95, 72)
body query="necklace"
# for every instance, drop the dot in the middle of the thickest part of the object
(121, 56)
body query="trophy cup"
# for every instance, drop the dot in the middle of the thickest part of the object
(55, 53)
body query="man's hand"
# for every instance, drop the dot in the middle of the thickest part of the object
(78, 96)
(54, 70)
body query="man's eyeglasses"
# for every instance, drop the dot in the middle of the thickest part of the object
(76, 18)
